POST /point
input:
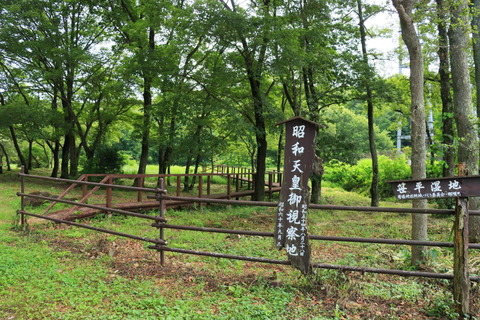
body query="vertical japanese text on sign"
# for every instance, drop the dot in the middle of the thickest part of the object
(291, 225)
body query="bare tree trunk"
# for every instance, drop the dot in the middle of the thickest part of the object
(74, 156)
(476, 47)
(186, 179)
(30, 155)
(56, 159)
(371, 128)
(417, 117)
(445, 92)
(312, 103)
(65, 157)
(7, 159)
(21, 158)
(462, 100)
(475, 220)
(195, 170)
(147, 106)
(147, 102)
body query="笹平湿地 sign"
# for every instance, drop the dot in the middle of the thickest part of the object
(451, 187)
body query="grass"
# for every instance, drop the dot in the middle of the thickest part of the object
(60, 272)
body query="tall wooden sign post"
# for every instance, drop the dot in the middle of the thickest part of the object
(291, 224)
(460, 187)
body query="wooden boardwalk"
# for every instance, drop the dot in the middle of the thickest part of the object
(79, 211)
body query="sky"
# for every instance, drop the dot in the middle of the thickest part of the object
(387, 64)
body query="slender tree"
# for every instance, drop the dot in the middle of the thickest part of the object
(468, 148)
(417, 117)
(7, 158)
(475, 9)
(369, 97)
(52, 42)
(445, 90)
(253, 47)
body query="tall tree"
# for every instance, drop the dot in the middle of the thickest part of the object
(10, 125)
(51, 41)
(137, 24)
(445, 90)
(475, 8)
(313, 49)
(405, 10)
(468, 148)
(253, 35)
(369, 97)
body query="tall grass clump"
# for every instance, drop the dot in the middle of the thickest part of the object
(358, 177)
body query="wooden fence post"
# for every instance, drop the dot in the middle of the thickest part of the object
(22, 198)
(179, 182)
(141, 182)
(200, 186)
(461, 280)
(229, 187)
(270, 186)
(209, 180)
(162, 207)
(109, 196)
(85, 187)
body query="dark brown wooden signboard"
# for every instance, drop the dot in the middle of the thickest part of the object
(460, 187)
(451, 187)
(291, 226)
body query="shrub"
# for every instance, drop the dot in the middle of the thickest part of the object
(358, 177)
(335, 171)
(107, 159)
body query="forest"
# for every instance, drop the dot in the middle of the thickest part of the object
(87, 86)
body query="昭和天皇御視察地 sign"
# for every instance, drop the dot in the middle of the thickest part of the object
(291, 222)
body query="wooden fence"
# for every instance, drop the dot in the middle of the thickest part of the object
(161, 245)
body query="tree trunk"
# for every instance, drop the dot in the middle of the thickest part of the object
(448, 133)
(475, 220)
(195, 152)
(476, 47)
(147, 102)
(195, 171)
(147, 106)
(187, 171)
(74, 156)
(280, 146)
(6, 156)
(30, 155)
(260, 130)
(65, 157)
(68, 148)
(312, 103)
(56, 159)
(254, 57)
(462, 100)
(261, 138)
(371, 128)
(417, 117)
(13, 134)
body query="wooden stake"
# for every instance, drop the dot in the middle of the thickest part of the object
(461, 281)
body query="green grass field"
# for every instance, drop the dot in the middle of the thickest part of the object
(55, 271)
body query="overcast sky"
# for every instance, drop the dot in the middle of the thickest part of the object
(387, 64)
